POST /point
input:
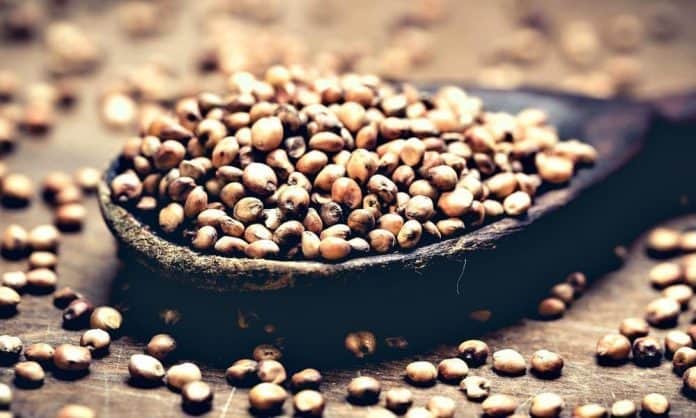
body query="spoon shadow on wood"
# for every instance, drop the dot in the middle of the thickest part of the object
(411, 311)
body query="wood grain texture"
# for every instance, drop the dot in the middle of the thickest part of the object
(580, 236)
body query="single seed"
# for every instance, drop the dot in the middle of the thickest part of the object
(674, 340)
(455, 203)
(666, 274)
(334, 248)
(260, 179)
(96, 340)
(613, 348)
(205, 238)
(197, 396)
(474, 352)
(9, 299)
(248, 209)
(421, 373)
(551, 308)
(517, 203)
(5, 396)
(180, 374)
(679, 292)
(633, 328)
(43, 259)
(106, 318)
(546, 405)
(161, 346)
(623, 409)
(509, 362)
(578, 281)
(663, 240)
(40, 352)
(75, 411)
(683, 359)
(564, 292)
(271, 371)
(416, 412)
(499, 405)
(546, 363)
(655, 404)
(364, 390)
(590, 410)
(15, 242)
(553, 168)
(29, 373)
(476, 388)
(41, 280)
(267, 398)
(441, 406)
(77, 314)
(309, 403)
(452, 370)
(17, 189)
(361, 343)
(398, 400)
(410, 234)
(242, 373)
(262, 248)
(647, 352)
(306, 379)
(267, 133)
(10, 348)
(72, 358)
(689, 380)
(70, 216)
(87, 178)
(16, 280)
(662, 312)
(171, 217)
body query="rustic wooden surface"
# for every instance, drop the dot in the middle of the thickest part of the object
(89, 264)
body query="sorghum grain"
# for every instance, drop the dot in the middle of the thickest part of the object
(452, 370)
(546, 405)
(161, 346)
(197, 396)
(267, 397)
(476, 388)
(473, 352)
(421, 373)
(509, 362)
(180, 374)
(398, 400)
(683, 359)
(306, 379)
(242, 372)
(613, 348)
(309, 403)
(623, 409)
(499, 405)
(364, 390)
(655, 404)
(546, 363)
(441, 406)
(647, 351)
(71, 358)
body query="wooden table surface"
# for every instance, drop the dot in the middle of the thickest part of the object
(89, 264)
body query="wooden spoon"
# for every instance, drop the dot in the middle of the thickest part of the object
(616, 128)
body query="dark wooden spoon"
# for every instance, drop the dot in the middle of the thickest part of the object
(617, 128)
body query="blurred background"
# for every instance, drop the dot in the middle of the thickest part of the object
(153, 50)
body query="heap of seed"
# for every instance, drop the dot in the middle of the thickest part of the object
(297, 166)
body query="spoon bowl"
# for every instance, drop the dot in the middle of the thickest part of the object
(617, 129)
